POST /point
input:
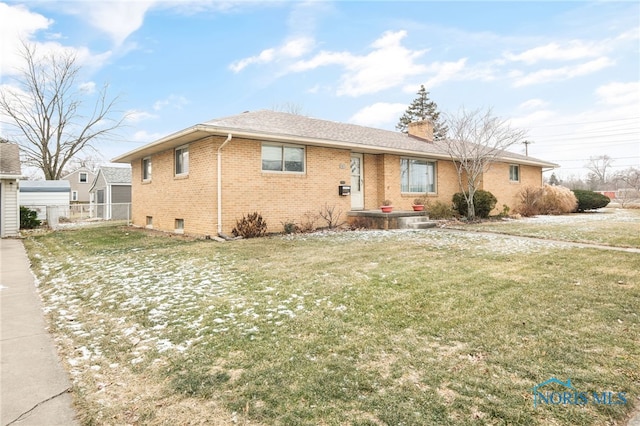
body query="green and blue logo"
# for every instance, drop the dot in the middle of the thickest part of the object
(571, 396)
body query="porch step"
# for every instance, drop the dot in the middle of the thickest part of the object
(422, 225)
(415, 222)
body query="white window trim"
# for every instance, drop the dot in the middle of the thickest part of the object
(148, 178)
(74, 195)
(435, 174)
(285, 145)
(80, 177)
(510, 168)
(175, 164)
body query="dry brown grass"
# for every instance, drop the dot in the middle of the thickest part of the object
(546, 200)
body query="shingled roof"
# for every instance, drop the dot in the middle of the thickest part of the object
(116, 175)
(9, 161)
(292, 128)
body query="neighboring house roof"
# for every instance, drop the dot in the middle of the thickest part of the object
(10, 161)
(293, 128)
(116, 175)
(113, 176)
(79, 170)
(45, 186)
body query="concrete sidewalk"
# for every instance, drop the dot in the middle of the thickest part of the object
(34, 387)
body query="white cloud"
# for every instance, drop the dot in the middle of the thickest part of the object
(136, 116)
(386, 66)
(562, 73)
(88, 87)
(294, 48)
(445, 71)
(175, 101)
(117, 18)
(619, 93)
(378, 114)
(17, 24)
(573, 50)
(533, 104)
(144, 136)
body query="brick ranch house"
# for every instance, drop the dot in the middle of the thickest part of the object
(202, 179)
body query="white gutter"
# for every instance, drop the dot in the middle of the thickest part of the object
(220, 182)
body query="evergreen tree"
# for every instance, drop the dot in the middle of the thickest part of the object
(420, 109)
(553, 180)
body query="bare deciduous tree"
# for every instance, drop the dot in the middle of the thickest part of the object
(47, 110)
(475, 140)
(628, 186)
(599, 166)
(289, 107)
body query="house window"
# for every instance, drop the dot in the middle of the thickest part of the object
(514, 173)
(282, 158)
(182, 160)
(179, 226)
(417, 175)
(146, 168)
(83, 177)
(150, 222)
(74, 195)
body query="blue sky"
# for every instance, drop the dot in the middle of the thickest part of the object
(567, 72)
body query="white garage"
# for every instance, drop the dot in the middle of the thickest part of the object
(46, 195)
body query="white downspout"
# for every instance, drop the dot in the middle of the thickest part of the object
(220, 182)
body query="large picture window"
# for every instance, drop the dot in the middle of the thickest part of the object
(282, 158)
(417, 176)
(182, 160)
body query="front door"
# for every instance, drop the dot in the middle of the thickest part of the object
(357, 183)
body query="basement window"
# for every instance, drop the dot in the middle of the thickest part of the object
(179, 226)
(149, 222)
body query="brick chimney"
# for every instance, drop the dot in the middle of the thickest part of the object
(422, 129)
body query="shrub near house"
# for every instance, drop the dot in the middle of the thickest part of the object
(589, 200)
(483, 201)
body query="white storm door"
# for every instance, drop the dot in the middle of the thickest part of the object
(357, 183)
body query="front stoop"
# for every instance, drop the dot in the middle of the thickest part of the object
(400, 219)
(415, 222)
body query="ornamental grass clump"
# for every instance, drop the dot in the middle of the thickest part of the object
(547, 200)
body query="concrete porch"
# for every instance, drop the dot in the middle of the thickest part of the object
(397, 219)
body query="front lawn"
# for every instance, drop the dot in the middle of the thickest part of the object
(616, 227)
(407, 327)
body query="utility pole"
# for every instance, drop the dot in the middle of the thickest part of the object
(526, 147)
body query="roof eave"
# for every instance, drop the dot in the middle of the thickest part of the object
(10, 176)
(173, 140)
(201, 131)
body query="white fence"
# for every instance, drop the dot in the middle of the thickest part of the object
(57, 216)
